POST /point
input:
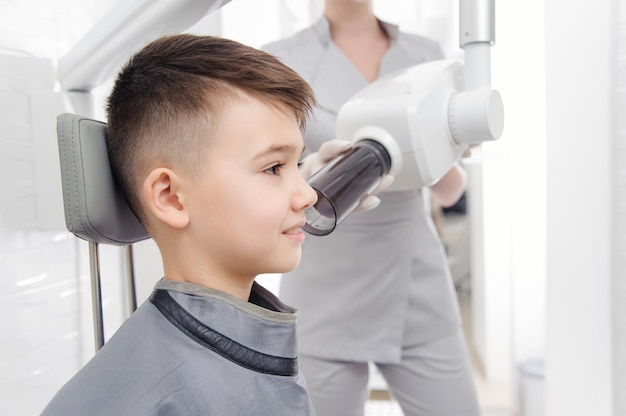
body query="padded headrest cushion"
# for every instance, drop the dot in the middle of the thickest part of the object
(95, 209)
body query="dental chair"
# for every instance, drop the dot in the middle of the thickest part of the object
(95, 209)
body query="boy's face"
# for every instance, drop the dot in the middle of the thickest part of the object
(248, 205)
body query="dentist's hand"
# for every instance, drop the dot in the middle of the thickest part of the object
(328, 151)
(371, 201)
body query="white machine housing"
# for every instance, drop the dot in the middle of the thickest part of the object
(423, 118)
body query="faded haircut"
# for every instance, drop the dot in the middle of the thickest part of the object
(167, 100)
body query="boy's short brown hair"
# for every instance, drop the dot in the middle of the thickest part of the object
(167, 101)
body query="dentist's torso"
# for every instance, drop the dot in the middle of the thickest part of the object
(381, 279)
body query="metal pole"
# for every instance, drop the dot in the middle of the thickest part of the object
(130, 279)
(477, 22)
(476, 36)
(96, 295)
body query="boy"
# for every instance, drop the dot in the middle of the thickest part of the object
(204, 136)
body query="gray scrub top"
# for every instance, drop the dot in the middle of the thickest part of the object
(191, 350)
(381, 280)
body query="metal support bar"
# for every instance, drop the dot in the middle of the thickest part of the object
(476, 36)
(477, 22)
(130, 279)
(96, 295)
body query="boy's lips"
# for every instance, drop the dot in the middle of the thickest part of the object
(296, 229)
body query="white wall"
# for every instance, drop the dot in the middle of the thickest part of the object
(618, 288)
(507, 202)
(580, 58)
(44, 292)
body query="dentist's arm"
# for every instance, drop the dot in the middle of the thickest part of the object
(447, 191)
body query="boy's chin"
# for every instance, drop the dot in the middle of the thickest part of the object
(288, 266)
(284, 262)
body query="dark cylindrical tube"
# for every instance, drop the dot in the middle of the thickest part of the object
(342, 184)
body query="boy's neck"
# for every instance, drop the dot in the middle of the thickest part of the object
(184, 269)
(240, 288)
(180, 263)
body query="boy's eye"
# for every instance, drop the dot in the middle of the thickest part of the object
(275, 169)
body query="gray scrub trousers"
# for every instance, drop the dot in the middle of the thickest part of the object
(191, 350)
(378, 289)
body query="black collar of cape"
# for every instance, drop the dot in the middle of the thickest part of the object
(220, 343)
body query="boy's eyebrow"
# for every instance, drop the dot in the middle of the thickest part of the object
(283, 148)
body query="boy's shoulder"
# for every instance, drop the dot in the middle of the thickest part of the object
(151, 365)
(132, 363)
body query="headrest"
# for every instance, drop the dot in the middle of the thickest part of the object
(95, 209)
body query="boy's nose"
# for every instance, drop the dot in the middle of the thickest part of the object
(308, 195)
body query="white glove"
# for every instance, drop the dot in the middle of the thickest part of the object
(328, 151)
(371, 201)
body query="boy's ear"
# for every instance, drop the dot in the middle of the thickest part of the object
(163, 198)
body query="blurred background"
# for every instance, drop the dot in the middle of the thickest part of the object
(536, 251)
